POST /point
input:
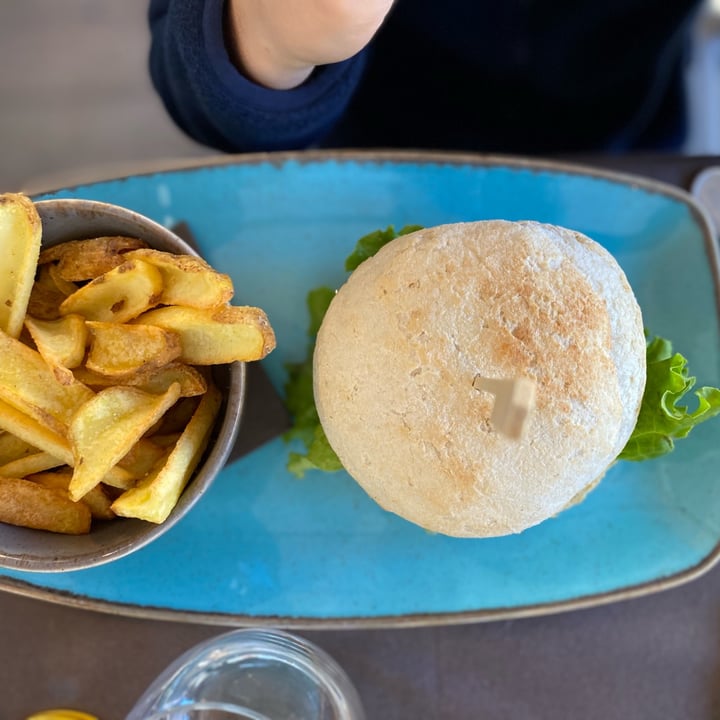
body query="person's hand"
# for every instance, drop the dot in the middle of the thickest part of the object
(278, 43)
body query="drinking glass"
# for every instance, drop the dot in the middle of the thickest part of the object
(251, 674)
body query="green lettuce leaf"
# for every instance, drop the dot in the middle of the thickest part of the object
(662, 419)
(369, 244)
(299, 399)
(319, 456)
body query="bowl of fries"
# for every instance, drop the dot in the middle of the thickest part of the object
(122, 382)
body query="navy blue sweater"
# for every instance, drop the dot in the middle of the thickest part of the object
(517, 76)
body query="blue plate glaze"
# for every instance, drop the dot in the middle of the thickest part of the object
(262, 546)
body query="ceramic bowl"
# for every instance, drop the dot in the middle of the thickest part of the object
(40, 551)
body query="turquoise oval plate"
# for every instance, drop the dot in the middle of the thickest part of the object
(263, 547)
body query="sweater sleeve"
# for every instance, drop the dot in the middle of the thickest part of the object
(209, 99)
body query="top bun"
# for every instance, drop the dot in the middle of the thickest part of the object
(406, 335)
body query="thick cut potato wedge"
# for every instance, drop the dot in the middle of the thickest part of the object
(29, 384)
(28, 430)
(188, 280)
(100, 503)
(118, 295)
(122, 350)
(155, 380)
(165, 440)
(142, 457)
(28, 504)
(106, 427)
(192, 383)
(177, 417)
(37, 462)
(98, 499)
(57, 479)
(34, 436)
(153, 498)
(46, 297)
(120, 478)
(20, 234)
(95, 380)
(64, 286)
(80, 260)
(216, 336)
(61, 343)
(12, 447)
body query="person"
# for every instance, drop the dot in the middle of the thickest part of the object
(519, 76)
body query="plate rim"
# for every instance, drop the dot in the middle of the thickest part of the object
(361, 622)
(407, 620)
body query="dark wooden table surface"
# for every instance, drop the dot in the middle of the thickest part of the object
(653, 657)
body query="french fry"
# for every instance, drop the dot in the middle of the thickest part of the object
(97, 381)
(100, 503)
(28, 504)
(192, 383)
(154, 380)
(187, 280)
(98, 500)
(29, 384)
(153, 498)
(80, 260)
(66, 287)
(59, 479)
(120, 478)
(105, 428)
(23, 429)
(45, 296)
(220, 335)
(166, 440)
(28, 430)
(118, 295)
(37, 462)
(141, 458)
(20, 234)
(61, 343)
(177, 417)
(12, 447)
(121, 350)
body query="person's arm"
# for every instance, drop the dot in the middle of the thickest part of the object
(279, 43)
(231, 85)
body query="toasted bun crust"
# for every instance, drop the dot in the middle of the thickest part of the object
(404, 338)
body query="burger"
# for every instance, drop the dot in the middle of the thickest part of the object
(441, 329)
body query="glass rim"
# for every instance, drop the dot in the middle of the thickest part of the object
(239, 711)
(271, 643)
